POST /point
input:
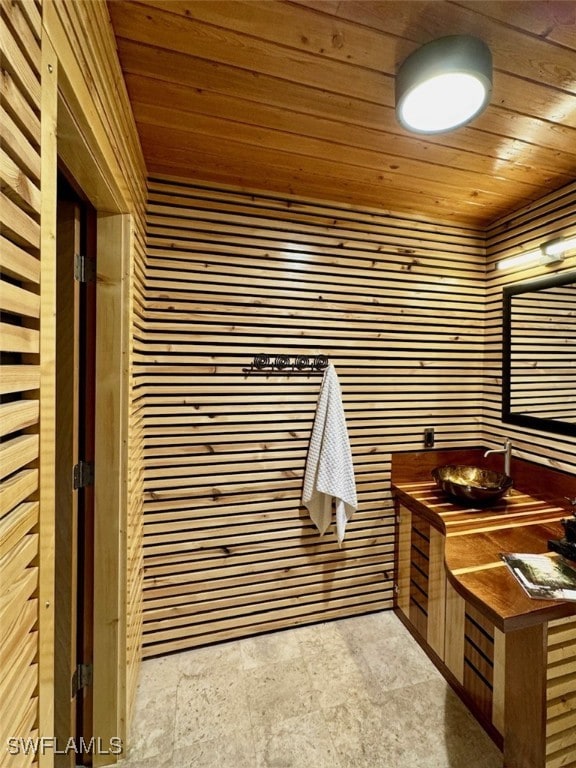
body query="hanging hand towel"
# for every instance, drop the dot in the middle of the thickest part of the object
(329, 470)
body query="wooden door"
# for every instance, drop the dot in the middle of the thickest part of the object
(67, 402)
(86, 436)
(75, 409)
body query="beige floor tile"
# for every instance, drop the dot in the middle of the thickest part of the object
(217, 656)
(396, 662)
(443, 728)
(152, 731)
(297, 742)
(279, 691)
(363, 736)
(323, 640)
(236, 750)
(275, 648)
(354, 693)
(424, 725)
(210, 705)
(366, 634)
(159, 674)
(158, 761)
(336, 677)
(362, 630)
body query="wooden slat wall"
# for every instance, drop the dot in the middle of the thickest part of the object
(135, 479)
(561, 694)
(19, 372)
(553, 216)
(396, 303)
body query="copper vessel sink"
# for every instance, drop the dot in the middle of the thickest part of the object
(471, 485)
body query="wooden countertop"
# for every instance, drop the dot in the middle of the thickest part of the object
(475, 538)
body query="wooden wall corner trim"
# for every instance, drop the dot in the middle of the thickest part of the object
(112, 343)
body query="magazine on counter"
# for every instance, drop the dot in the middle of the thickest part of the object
(543, 577)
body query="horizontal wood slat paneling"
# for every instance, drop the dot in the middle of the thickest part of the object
(19, 146)
(18, 378)
(19, 372)
(395, 303)
(17, 263)
(561, 694)
(551, 217)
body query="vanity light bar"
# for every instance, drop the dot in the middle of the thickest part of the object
(557, 247)
(529, 257)
(547, 253)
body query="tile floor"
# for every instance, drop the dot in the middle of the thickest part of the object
(353, 693)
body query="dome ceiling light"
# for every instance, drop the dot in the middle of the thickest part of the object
(444, 84)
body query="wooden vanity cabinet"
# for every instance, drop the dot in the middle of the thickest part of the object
(465, 644)
(519, 678)
(421, 578)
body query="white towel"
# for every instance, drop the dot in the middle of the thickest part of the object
(329, 470)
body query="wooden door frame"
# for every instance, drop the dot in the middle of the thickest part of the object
(76, 146)
(113, 248)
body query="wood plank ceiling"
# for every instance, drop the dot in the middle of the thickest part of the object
(298, 98)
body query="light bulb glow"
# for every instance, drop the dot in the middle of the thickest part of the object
(444, 84)
(530, 257)
(443, 102)
(558, 247)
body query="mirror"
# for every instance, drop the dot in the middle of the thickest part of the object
(539, 354)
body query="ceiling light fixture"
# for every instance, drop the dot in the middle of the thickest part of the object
(444, 84)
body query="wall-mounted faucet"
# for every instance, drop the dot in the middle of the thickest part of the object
(507, 451)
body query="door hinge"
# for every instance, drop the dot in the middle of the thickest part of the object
(83, 474)
(84, 269)
(81, 678)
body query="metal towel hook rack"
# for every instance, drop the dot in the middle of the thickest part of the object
(287, 364)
